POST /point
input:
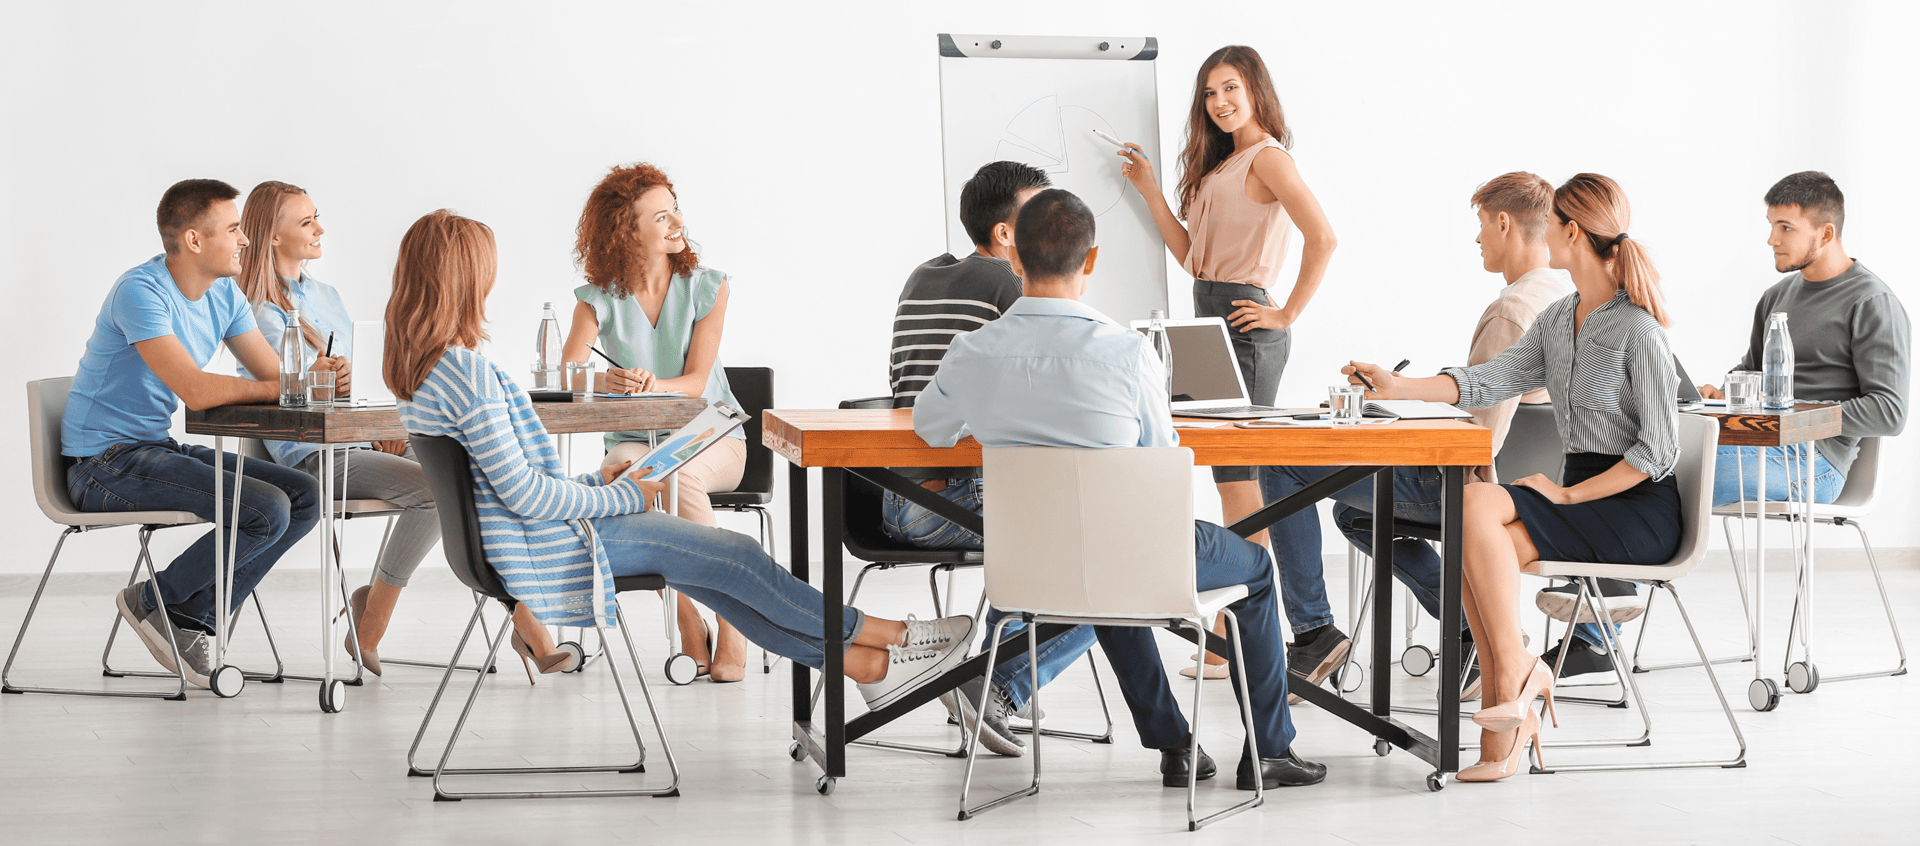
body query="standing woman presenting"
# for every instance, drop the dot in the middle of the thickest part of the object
(1240, 196)
(651, 306)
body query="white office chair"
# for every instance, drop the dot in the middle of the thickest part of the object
(1699, 438)
(1854, 502)
(46, 403)
(1099, 537)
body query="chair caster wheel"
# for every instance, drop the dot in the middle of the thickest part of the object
(1802, 677)
(227, 682)
(1381, 747)
(1763, 695)
(825, 785)
(682, 669)
(333, 696)
(579, 652)
(1436, 781)
(1350, 678)
(1417, 660)
(796, 753)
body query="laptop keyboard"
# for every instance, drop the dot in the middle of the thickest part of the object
(1233, 409)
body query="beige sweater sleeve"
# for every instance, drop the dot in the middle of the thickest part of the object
(1497, 331)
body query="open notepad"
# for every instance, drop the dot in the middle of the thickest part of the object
(1412, 410)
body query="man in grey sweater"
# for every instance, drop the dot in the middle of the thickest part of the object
(1852, 342)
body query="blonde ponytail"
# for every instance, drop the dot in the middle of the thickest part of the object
(1600, 207)
(1634, 270)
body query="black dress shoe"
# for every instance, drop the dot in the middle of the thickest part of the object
(1287, 771)
(1173, 766)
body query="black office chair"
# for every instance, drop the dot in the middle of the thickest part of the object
(865, 538)
(753, 387)
(450, 475)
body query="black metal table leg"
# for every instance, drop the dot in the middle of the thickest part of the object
(1382, 696)
(798, 552)
(1453, 500)
(833, 482)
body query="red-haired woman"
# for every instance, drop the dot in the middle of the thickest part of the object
(656, 311)
(1602, 355)
(1241, 196)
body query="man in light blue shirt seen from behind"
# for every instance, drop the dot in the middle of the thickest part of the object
(1053, 371)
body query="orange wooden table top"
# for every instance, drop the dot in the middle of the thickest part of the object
(885, 438)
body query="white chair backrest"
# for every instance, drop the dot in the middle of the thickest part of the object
(1862, 477)
(1699, 444)
(46, 404)
(1090, 532)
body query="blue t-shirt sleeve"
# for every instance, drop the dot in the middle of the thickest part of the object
(706, 291)
(139, 310)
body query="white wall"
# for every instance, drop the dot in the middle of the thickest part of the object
(805, 142)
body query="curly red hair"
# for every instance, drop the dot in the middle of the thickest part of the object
(604, 246)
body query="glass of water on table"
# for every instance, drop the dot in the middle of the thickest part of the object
(1345, 403)
(1743, 390)
(320, 388)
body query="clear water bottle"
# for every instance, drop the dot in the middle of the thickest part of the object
(293, 364)
(546, 365)
(1162, 346)
(1776, 364)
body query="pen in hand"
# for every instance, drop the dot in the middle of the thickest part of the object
(329, 345)
(1363, 379)
(1402, 365)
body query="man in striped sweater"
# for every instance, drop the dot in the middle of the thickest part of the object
(945, 298)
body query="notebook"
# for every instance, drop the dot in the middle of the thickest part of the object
(1206, 379)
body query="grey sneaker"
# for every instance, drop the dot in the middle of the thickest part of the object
(933, 648)
(150, 624)
(196, 651)
(994, 731)
(1027, 716)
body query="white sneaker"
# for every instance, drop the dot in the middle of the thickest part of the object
(932, 648)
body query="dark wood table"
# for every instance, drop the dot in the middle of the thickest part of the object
(868, 442)
(342, 425)
(1795, 430)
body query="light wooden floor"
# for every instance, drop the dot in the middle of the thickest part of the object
(1833, 767)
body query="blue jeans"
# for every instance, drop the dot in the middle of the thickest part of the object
(1729, 485)
(729, 573)
(1296, 539)
(278, 506)
(909, 523)
(1221, 559)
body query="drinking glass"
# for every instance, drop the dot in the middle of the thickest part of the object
(1345, 403)
(1743, 390)
(320, 388)
(580, 379)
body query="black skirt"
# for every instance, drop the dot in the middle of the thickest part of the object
(1640, 525)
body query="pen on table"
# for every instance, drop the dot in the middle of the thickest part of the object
(329, 345)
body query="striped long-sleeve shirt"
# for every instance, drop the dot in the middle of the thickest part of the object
(943, 299)
(533, 522)
(1612, 381)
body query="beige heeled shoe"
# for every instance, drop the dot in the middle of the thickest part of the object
(357, 607)
(559, 661)
(1485, 770)
(1511, 713)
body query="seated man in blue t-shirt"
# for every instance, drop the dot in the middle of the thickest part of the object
(159, 327)
(1053, 371)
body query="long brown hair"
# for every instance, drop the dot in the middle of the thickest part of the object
(604, 245)
(259, 272)
(440, 285)
(1598, 205)
(1207, 146)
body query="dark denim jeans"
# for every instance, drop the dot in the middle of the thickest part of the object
(1296, 539)
(1222, 559)
(278, 506)
(909, 523)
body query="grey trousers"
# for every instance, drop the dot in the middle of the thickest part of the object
(1261, 353)
(360, 473)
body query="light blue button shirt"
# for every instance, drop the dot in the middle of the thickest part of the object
(320, 305)
(1049, 372)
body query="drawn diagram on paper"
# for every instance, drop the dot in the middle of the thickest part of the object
(1059, 139)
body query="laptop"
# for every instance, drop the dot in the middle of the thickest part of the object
(368, 357)
(1206, 379)
(1689, 396)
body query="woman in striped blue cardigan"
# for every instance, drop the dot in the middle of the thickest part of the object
(556, 542)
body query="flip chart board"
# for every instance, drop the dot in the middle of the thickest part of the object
(1038, 99)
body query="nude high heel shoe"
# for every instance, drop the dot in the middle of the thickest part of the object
(1511, 713)
(1487, 770)
(561, 661)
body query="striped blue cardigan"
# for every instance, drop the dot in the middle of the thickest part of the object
(532, 517)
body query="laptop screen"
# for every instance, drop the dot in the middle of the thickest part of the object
(1203, 366)
(368, 354)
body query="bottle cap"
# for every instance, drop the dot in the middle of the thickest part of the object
(1157, 314)
(546, 305)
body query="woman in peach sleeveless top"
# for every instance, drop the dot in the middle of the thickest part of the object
(1240, 196)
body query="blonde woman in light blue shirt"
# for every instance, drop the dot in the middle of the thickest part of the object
(659, 314)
